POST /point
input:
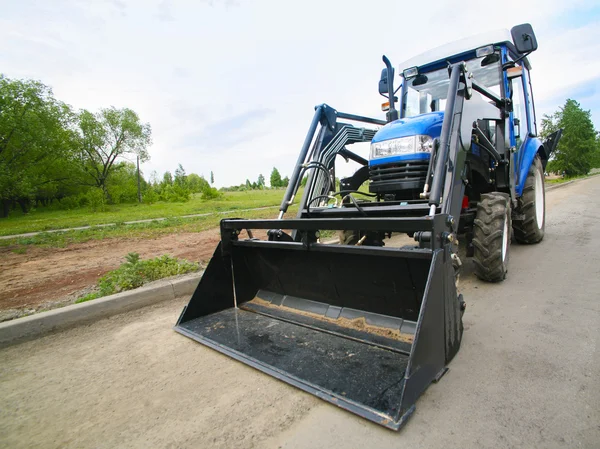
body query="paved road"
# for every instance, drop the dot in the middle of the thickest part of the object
(526, 376)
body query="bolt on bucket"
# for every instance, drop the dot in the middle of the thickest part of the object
(365, 328)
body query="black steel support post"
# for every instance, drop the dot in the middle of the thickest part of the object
(295, 179)
(445, 137)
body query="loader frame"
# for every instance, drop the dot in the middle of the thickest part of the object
(224, 289)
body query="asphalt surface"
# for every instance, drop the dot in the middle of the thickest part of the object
(526, 375)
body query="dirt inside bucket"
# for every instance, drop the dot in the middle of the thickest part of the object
(359, 324)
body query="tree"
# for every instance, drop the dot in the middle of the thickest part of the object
(212, 177)
(260, 183)
(167, 179)
(180, 176)
(108, 135)
(275, 178)
(196, 183)
(37, 144)
(578, 147)
(122, 184)
(285, 182)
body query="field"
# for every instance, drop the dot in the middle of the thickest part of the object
(45, 219)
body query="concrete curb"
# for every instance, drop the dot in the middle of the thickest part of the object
(35, 326)
(562, 184)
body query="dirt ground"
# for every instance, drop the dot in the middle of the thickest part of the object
(45, 278)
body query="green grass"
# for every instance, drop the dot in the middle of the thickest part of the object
(593, 172)
(136, 272)
(140, 230)
(44, 219)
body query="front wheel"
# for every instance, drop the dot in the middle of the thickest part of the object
(491, 237)
(529, 223)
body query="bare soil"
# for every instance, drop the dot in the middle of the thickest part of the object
(45, 278)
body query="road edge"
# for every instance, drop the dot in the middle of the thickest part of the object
(37, 325)
(562, 184)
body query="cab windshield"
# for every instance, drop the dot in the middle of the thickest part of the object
(427, 91)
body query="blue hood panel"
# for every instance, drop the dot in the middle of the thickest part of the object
(425, 124)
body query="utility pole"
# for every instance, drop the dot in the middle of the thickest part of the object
(138, 180)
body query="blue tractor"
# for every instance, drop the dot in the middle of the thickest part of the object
(503, 171)
(365, 326)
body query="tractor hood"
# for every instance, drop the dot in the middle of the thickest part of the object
(429, 124)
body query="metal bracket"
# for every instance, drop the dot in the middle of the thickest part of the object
(329, 117)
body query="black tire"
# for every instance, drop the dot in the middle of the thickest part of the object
(348, 237)
(529, 212)
(491, 237)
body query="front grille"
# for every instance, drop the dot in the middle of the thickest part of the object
(414, 171)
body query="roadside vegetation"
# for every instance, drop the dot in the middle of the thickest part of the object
(136, 272)
(147, 230)
(563, 179)
(578, 150)
(61, 167)
(47, 218)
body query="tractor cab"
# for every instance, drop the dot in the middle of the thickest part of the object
(401, 150)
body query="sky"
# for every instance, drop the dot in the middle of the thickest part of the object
(230, 86)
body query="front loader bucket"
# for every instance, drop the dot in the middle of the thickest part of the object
(365, 328)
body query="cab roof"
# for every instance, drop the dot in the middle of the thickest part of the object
(468, 44)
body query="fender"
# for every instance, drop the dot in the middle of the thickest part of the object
(529, 149)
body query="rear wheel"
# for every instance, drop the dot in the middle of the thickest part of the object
(348, 237)
(531, 207)
(491, 237)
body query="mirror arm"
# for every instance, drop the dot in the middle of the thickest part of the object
(509, 64)
(392, 114)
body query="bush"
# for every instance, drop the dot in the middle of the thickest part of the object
(136, 272)
(68, 203)
(149, 196)
(174, 194)
(210, 193)
(96, 199)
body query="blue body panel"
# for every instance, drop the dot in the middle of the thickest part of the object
(425, 124)
(526, 155)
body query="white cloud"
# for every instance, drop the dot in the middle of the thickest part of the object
(192, 68)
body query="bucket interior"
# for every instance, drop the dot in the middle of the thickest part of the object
(339, 323)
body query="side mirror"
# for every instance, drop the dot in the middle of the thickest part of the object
(383, 82)
(524, 38)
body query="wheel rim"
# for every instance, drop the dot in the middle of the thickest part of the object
(539, 199)
(505, 239)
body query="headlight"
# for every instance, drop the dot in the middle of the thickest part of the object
(404, 145)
